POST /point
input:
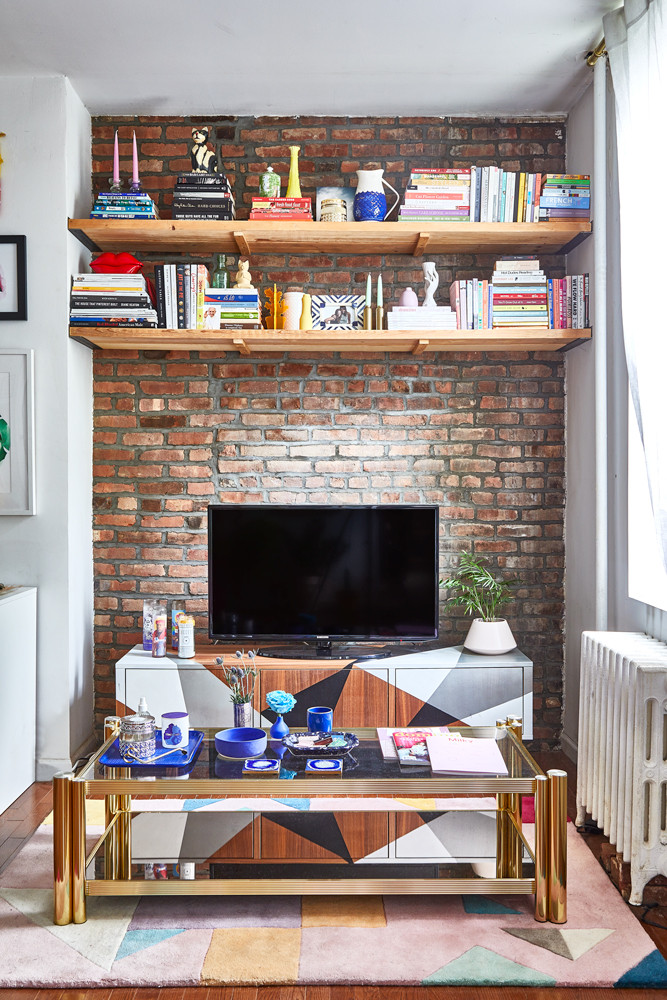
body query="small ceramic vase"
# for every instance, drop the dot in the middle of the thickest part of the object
(242, 715)
(306, 320)
(408, 298)
(269, 184)
(293, 184)
(279, 729)
(221, 278)
(292, 311)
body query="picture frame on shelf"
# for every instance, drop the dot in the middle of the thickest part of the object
(17, 434)
(346, 193)
(338, 312)
(13, 298)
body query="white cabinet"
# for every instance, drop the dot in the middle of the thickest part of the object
(18, 691)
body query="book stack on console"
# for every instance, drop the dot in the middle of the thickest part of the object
(519, 293)
(437, 194)
(111, 300)
(179, 290)
(421, 318)
(203, 197)
(565, 196)
(281, 209)
(472, 303)
(124, 205)
(232, 307)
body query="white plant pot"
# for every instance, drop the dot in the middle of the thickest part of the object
(490, 638)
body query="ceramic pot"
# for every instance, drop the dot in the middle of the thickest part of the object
(408, 298)
(279, 729)
(489, 638)
(370, 201)
(242, 714)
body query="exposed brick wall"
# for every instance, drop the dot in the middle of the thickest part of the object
(479, 434)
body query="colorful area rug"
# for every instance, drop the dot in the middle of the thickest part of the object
(395, 940)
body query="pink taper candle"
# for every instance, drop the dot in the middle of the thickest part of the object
(135, 161)
(116, 167)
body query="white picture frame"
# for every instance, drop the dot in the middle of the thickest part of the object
(338, 312)
(17, 432)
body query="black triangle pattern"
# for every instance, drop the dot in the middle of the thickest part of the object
(319, 828)
(326, 692)
(429, 715)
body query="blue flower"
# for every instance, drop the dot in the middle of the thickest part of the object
(280, 701)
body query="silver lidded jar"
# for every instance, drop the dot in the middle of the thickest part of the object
(137, 737)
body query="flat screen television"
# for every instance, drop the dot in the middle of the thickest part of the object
(323, 577)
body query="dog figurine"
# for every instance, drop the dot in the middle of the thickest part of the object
(203, 158)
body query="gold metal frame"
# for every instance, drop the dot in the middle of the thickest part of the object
(549, 883)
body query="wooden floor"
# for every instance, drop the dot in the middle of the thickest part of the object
(19, 822)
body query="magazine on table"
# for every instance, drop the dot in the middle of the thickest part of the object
(451, 753)
(386, 737)
(411, 748)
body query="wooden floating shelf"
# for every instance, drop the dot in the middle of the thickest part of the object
(255, 237)
(254, 342)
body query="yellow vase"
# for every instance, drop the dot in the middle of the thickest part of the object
(293, 185)
(306, 320)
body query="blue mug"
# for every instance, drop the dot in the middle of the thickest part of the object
(320, 720)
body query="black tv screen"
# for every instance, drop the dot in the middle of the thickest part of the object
(312, 572)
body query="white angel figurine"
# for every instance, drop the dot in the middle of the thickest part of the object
(431, 280)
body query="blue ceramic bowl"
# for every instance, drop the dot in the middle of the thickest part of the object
(240, 743)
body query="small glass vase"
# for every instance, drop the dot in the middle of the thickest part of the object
(221, 277)
(279, 729)
(242, 715)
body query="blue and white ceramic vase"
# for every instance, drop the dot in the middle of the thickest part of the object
(370, 202)
(279, 729)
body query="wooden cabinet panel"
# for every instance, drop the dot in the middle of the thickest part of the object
(358, 697)
(314, 836)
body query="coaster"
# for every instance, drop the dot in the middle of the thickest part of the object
(261, 768)
(328, 766)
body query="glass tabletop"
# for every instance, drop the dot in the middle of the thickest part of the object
(364, 763)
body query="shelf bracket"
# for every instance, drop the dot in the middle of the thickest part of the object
(242, 244)
(421, 244)
(241, 346)
(420, 346)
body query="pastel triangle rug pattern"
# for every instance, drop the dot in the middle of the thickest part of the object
(180, 940)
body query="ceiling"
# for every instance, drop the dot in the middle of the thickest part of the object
(305, 57)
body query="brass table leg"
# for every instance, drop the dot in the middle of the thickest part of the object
(62, 849)
(541, 848)
(557, 783)
(78, 851)
(124, 827)
(111, 806)
(504, 836)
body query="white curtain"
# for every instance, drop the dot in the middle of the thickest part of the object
(636, 40)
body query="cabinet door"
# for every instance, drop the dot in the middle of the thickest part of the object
(191, 836)
(319, 836)
(447, 836)
(358, 696)
(472, 696)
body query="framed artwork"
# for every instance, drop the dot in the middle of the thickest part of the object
(13, 300)
(17, 435)
(346, 193)
(338, 312)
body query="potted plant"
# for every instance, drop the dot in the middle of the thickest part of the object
(475, 588)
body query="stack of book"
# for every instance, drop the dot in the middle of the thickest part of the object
(124, 205)
(111, 300)
(568, 302)
(280, 209)
(519, 293)
(232, 307)
(498, 195)
(565, 196)
(203, 196)
(472, 302)
(420, 318)
(437, 194)
(179, 291)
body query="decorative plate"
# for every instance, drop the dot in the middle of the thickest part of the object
(304, 744)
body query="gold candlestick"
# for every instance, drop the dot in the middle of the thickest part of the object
(368, 317)
(379, 317)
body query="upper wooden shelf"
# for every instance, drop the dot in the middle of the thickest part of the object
(253, 342)
(255, 237)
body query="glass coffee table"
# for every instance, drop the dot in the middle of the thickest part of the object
(369, 783)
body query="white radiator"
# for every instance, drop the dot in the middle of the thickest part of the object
(622, 766)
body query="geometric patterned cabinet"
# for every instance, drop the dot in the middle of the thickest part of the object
(433, 687)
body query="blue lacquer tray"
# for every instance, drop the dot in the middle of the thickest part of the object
(177, 758)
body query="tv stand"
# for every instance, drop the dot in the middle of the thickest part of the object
(326, 650)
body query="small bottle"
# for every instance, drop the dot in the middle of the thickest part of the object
(221, 278)
(143, 707)
(159, 647)
(186, 637)
(177, 612)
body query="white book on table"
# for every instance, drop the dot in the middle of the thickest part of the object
(455, 754)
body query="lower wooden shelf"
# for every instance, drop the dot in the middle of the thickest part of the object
(252, 342)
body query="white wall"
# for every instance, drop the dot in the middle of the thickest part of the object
(45, 177)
